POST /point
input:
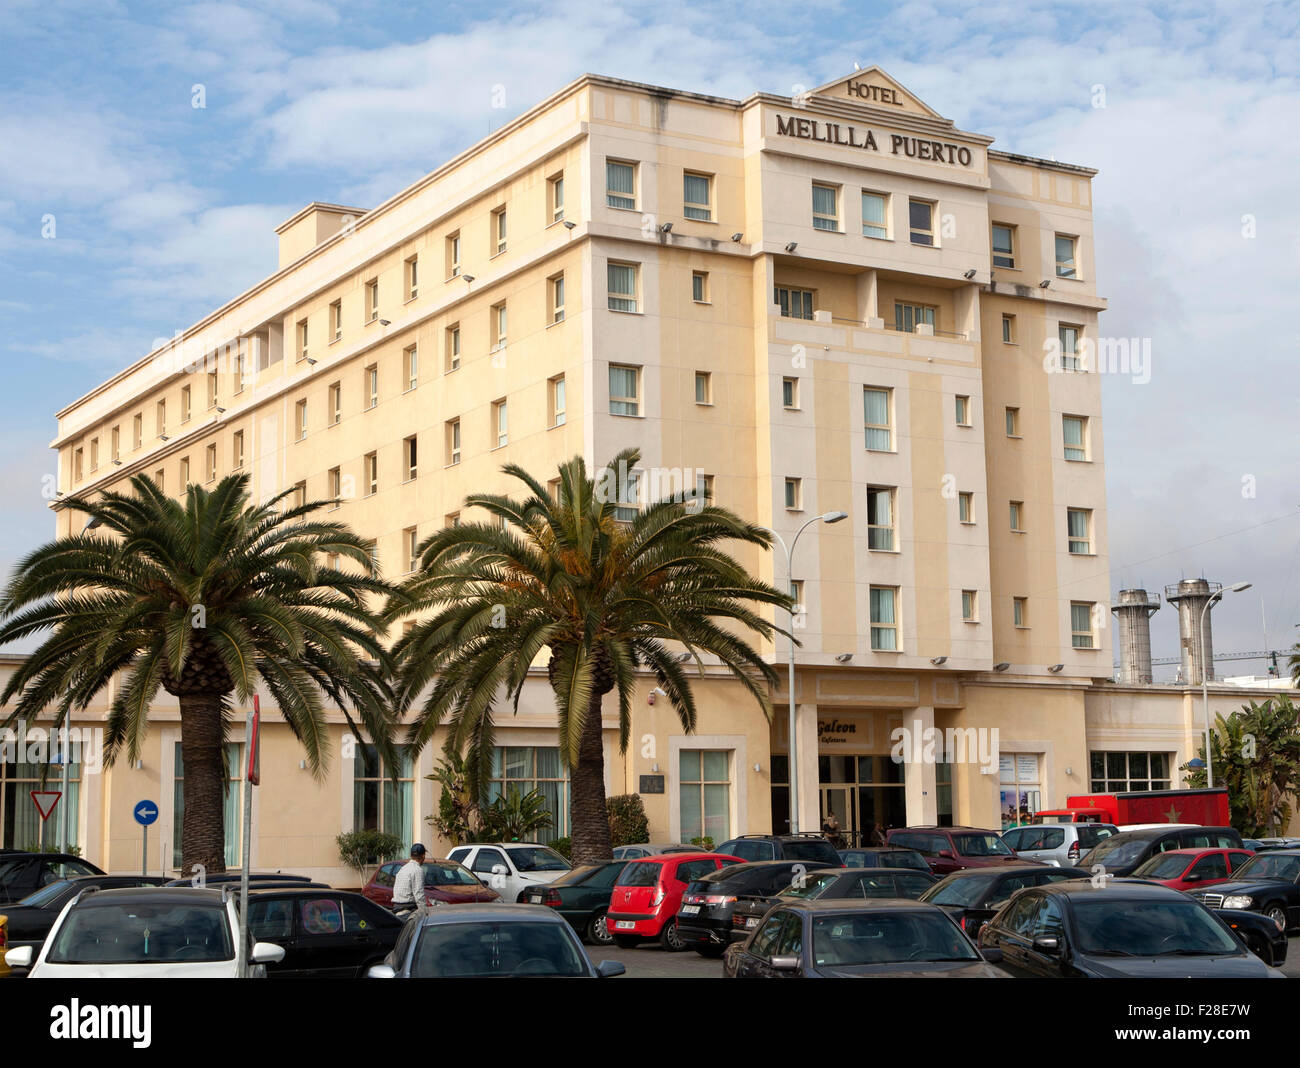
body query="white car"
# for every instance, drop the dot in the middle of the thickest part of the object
(510, 868)
(154, 932)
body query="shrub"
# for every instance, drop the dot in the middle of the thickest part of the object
(705, 843)
(513, 817)
(563, 846)
(627, 820)
(360, 849)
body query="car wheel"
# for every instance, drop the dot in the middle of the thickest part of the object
(711, 951)
(598, 931)
(626, 941)
(671, 938)
(1276, 913)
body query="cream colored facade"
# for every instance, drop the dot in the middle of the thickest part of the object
(416, 321)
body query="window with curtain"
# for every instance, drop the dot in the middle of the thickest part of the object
(620, 185)
(908, 316)
(380, 801)
(1077, 523)
(1065, 256)
(695, 194)
(874, 219)
(20, 822)
(624, 395)
(705, 793)
(825, 207)
(880, 433)
(1074, 427)
(1081, 625)
(622, 287)
(629, 498)
(232, 804)
(920, 218)
(884, 619)
(880, 519)
(523, 769)
(1068, 336)
(1004, 246)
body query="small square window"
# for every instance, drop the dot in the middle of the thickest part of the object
(1020, 611)
(557, 298)
(411, 276)
(966, 507)
(703, 387)
(1013, 422)
(411, 358)
(968, 606)
(372, 300)
(410, 455)
(794, 494)
(790, 393)
(372, 386)
(453, 442)
(1008, 329)
(336, 320)
(336, 403)
(453, 254)
(963, 411)
(557, 398)
(370, 472)
(453, 347)
(1017, 516)
(700, 287)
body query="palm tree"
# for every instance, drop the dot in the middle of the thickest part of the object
(560, 573)
(201, 597)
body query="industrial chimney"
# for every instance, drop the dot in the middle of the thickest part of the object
(1197, 649)
(1134, 612)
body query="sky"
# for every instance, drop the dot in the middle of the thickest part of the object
(127, 212)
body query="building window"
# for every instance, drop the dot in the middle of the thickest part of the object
(1079, 525)
(620, 185)
(790, 393)
(499, 326)
(335, 483)
(160, 418)
(303, 351)
(453, 347)
(451, 519)
(233, 796)
(908, 316)
(185, 470)
(825, 207)
(1065, 265)
(629, 497)
(702, 495)
(879, 428)
(700, 287)
(794, 494)
(94, 454)
(78, 470)
(214, 390)
(1020, 789)
(1116, 773)
(1004, 246)
(884, 618)
(1013, 422)
(705, 793)
(528, 769)
(137, 432)
(1017, 516)
(159, 478)
(211, 471)
(372, 386)
(703, 387)
(968, 607)
(372, 300)
(1081, 625)
(1008, 329)
(410, 457)
(411, 277)
(241, 371)
(557, 198)
(624, 390)
(372, 551)
(453, 442)
(453, 254)
(697, 196)
(185, 404)
(500, 423)
(875, 214)
(410, 540)
(622, 287)
(115, 444)
(556, 390)
(370, 472)
(336, 403)
(794, 303)
(237, 450)
(382, 796)
(300, 419)
(920, 220)
(498, 231)
(966, 507)
(880, 519)
(963, 411)
(1068, 336)
(1019, 611)
(336, 320)
(1075, 431)
(411, 357)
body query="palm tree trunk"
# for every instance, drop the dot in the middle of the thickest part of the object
(203, 838)
(591, 840)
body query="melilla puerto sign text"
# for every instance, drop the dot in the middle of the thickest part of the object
(850, 136)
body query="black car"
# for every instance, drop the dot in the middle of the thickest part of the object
(972, 896)
(830, 883)
(581, 896)
(782, 847)
(1260, 934)
(1122, 854)
(1268, 884)
(1120, 928)
(261, 878)
(324, 933)
(25, 873)
(705, 916)
(883, 857)
(31, 918)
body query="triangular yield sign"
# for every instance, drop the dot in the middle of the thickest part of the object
(41, 798)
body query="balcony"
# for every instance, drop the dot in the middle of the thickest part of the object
(870, 336)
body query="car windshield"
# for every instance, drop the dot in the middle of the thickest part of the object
(447, 875)
(1118, 850)
(640, 873)
(489, 949)
(1267, 866)
(537, 858)
(1128, 928)
(981, 845)
(45, 894)
(811, 849)
(961, 890)
(143, 934)
(1164, 866)
(10, 870)
(888, 938)
(814, 885)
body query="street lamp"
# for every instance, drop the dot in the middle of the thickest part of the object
(1236, 587)
(829, 517)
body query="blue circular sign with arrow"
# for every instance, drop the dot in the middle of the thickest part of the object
(145, 813)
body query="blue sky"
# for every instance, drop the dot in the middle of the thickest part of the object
(163, 211)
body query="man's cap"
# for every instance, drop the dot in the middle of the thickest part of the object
(418, 850)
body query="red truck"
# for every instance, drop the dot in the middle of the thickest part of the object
(1208, 808)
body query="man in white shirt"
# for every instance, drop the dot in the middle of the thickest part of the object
(408, 889)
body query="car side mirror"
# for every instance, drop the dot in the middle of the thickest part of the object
(946, 853)
(1047, 944)
(20, 957)
(1193, 878)
(785, 964)
(607, 969)
(499, 869)
(380, 971)
(266, 953)
(991, 954)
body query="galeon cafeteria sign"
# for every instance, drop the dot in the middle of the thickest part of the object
(835, 133)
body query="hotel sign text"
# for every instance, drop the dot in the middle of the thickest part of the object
(835, 133)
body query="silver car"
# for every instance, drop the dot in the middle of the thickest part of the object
(1061, 844)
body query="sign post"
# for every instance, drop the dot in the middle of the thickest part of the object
(145, 813)
(252, 778)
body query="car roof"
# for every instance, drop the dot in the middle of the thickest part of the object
(875, 904)
(494, 911)
(1197, 850)
(152, 895)
(1117, 888)
(660, 857)
(1010, 868)
(502, 845)
(875, 871)
(944, 830)
(300, 890)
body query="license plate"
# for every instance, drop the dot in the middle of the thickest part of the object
(690, 910)
(751, 921)
(536, 899)
(624, 925)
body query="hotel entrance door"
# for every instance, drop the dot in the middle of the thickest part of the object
(862, 791)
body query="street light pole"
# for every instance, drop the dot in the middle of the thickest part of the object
(793, 757)
(1236, 587)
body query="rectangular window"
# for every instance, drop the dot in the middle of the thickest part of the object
(300, 419)
(499, 326)
(620, 185)
(1004, 246)
(409, 541)
(624, 390)
(410, 457)
(137, 432)
(94, 454)
(185, 470)
(920, 221)
(336, 320)
(1065, 265)
(966, 507)
(1008, 329)
(790, 393)
(794, 303)
(880, 519)
(453, 254)
(1019, 611)
(1068, 336)
(453, 347)
(697, 196)
(185, 404)
(1079, 528)
(825, 207)
(451, 519)
(1121, 772)
(875, 214)
(700, 287)
(557, 198)
(232, 804)
(115, 444)
(383, 797)
(500, 423)
(622, 287)
(335, 484)
(411, 277)
(453, 442)
(796, 594)
(705, 793)
(78, 467)
(524, 769)
(1081, 636)
(1017, 511)
(879, 427)
(884, 618)
(303, 350)
(703, 387)
(411, 358)
(703, 493)
(629, 497)
(1013, 422)
(214, 390)
(1075, 431)
(794, 494)
(908, 316)
(498, 231)
(963, 410)
(210, 472)
(372, 550)
(556, 390)
(336, 403)
(159, 478)
(557, 299)
(372, 385)
(968, 606)
(160, 417)
(241, 371)
(237, 450)
(372, 300)
(370, 472)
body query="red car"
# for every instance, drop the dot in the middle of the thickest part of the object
(649, 892)
(1189, 869)
(950, 849)
(444, 881)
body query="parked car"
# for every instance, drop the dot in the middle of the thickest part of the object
(651, 849)
(704, 920)
(25, 873)
(445, 883)
(781, 847)
(1262, 936)
(229, 878)
(1061, 844)
(1268, 883)
(1124, 928)
(648, 893)
(1187, 869)
(324, 934)
(883, 857)
(27, 922)
(581, 896)
(949, 849)
(845, 939)
(1122, 854)
(972, 896)
(153, 932)
(490, 941)
(511, 868)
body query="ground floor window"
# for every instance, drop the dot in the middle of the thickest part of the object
(382, 801)
(864, 793)
(522, 769)
(232, 807)
(1111, 773)
(705, 785)
(943, 794)
(19, 819)
(1021, 788)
